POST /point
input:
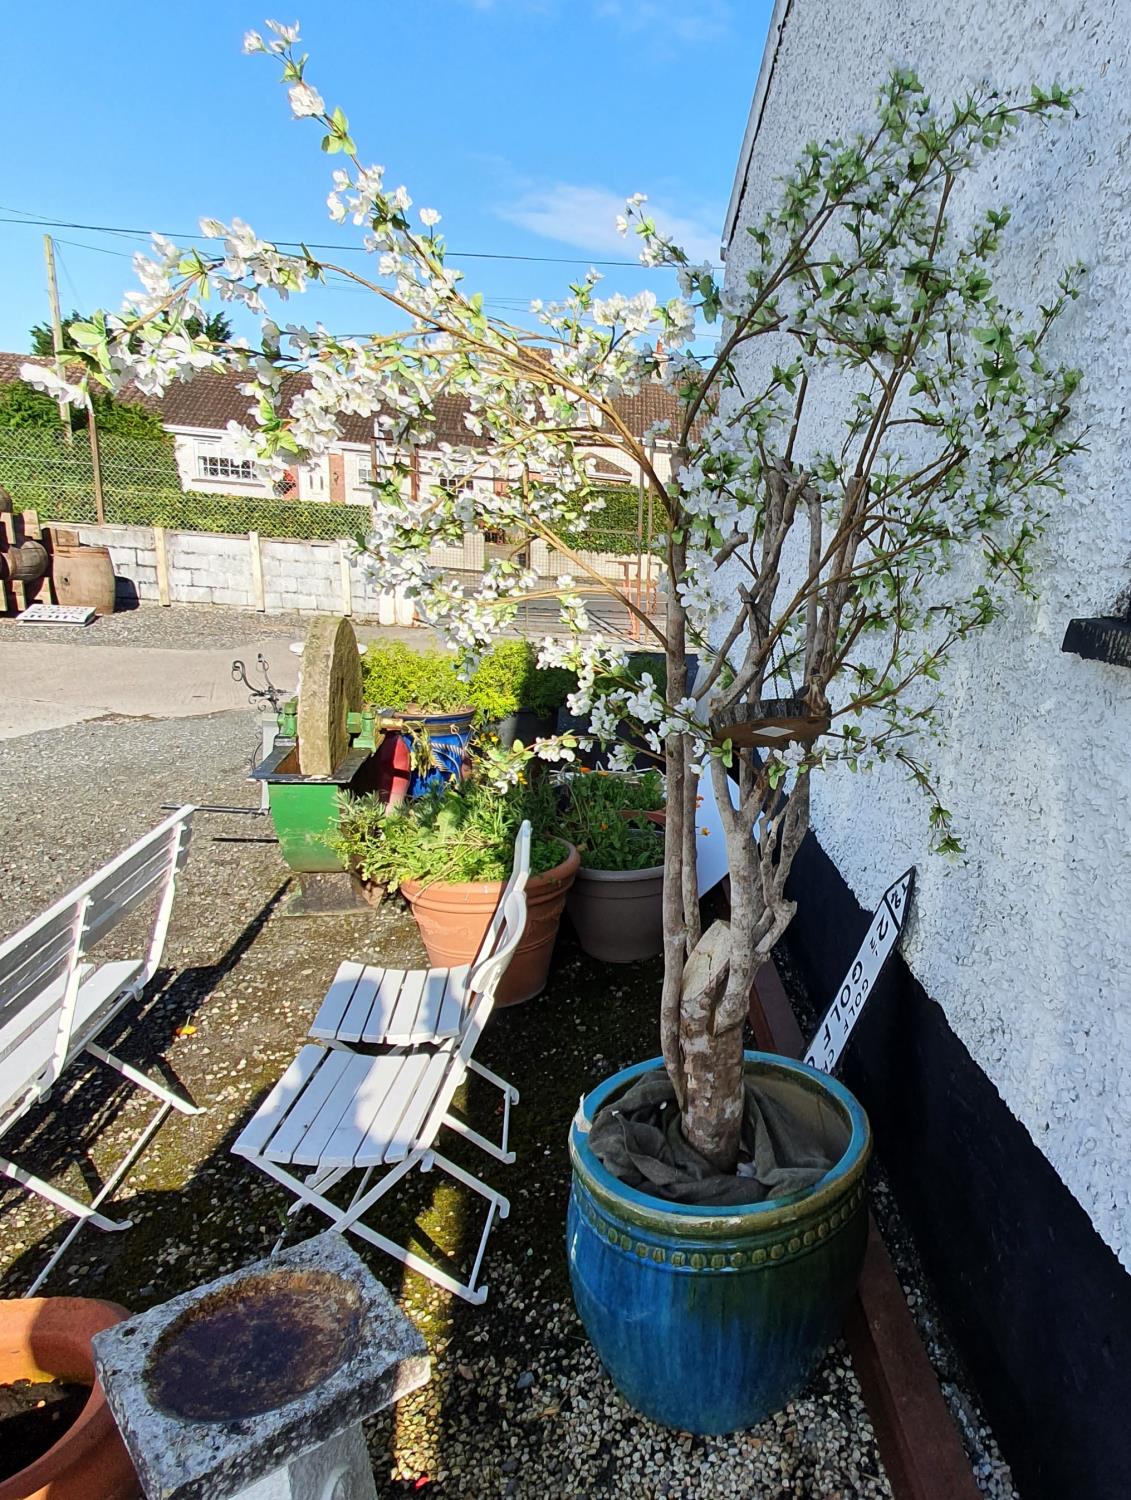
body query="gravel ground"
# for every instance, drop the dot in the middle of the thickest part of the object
(517, 1404)
(205, 627)
(992, 1473)
(190, 627)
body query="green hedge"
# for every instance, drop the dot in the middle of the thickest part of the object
(613, 529)
(141, 487)
(507, 679)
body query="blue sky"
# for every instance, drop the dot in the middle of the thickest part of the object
(525, 122)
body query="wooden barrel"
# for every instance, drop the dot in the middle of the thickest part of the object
(84, 575)
(25, 563)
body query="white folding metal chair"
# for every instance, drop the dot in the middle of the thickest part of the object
(55, 999)
(338, 1112)
(370, 1006)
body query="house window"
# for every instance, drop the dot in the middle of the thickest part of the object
(215, 467)
(364, 475)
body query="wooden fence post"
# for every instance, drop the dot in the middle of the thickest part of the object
(347, 585)
(259, 598)
(95, 464)
(163, 594)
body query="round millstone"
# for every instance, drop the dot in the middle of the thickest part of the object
(331, 689)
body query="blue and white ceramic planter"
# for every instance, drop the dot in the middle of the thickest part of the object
(448, 736)
(709, 1319)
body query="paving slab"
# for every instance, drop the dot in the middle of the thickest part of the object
(48, 685)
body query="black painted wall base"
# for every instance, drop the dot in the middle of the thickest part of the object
(1037, 1304)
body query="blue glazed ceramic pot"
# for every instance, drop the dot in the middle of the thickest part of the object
(448, 735)
(709, 1319)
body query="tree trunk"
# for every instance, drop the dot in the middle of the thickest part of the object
(675, 765)
(712, 1058)
(711, 1024)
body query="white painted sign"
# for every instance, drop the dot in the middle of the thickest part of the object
(833, 1032)
(56, 614)
(711, 862)
(711, 859)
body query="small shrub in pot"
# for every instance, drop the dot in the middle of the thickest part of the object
(515, 698)
(449, 853)
(616, 903)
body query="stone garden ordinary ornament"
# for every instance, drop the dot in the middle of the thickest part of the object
(255, 1386)
(823, 574)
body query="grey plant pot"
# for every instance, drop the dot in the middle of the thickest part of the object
(618, 914)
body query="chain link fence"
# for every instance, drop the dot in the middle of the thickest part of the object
(141, 486)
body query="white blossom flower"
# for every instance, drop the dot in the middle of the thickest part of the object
(305, 100)
(429, 217)
(44, 378)
(287, 35)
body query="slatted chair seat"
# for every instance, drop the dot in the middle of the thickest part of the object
(30, 1037)
(337, 1112)
(392, 1007)
(54, 1000)
(346, 1109)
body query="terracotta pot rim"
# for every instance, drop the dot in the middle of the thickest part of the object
(18, 1318)
(455, 890)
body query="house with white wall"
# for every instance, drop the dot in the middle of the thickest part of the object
(996, 1061)
(197, 413)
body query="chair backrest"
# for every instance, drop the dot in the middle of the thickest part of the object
(480, 1006)
(43, 965)
(520, 874)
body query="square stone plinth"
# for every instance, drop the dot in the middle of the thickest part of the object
(229, 1382)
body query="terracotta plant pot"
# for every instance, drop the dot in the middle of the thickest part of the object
(48, 1338)
(453, 918)
(619, 914)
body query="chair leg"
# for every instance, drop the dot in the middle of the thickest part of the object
(500, 1083)
(497, 1204)
(85, 1212)
(349, 1220)
(498, 1152)
(510, 1096)
(500, 1202)
(143, 1081)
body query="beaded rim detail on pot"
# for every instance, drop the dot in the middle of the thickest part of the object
(791, 1246)
(790, 1215)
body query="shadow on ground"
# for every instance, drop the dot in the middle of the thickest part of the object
(517, 1404)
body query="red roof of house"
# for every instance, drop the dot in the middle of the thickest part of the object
(210, 401)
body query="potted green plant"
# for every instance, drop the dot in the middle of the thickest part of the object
(449, 853)
(424, 691)
(616, 901)
(514, 698)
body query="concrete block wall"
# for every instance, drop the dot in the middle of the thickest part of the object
(209, 569)
(306, 577)
(302, 576)
(134, 555)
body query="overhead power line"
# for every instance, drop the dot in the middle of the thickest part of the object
(17, 216)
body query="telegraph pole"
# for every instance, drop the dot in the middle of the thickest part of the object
(57, 330)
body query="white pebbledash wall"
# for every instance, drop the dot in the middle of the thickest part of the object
(1026, 943)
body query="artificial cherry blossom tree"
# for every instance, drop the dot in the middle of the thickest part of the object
(836, 574)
